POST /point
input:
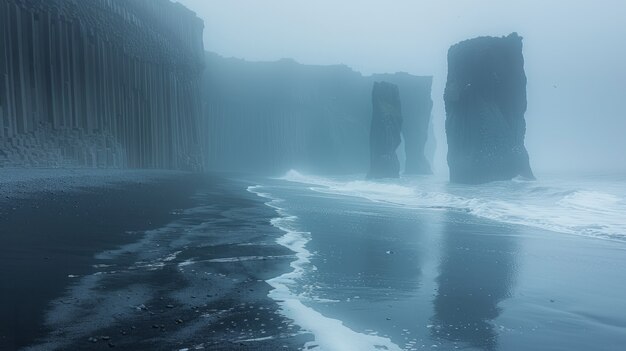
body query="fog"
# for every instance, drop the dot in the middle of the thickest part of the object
(574, 57)
(337, 175)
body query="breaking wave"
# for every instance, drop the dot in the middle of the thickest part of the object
(589, 208)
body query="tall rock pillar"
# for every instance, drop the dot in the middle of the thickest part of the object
(485, 101)
(385, 131)
(417, 107)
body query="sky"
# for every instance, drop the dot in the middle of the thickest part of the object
(575, 57)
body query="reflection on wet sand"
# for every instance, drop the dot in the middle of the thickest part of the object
(476, 272)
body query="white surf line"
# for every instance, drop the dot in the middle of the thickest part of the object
(256, 339)
(330, 334)
(583, 213)
(245, 258)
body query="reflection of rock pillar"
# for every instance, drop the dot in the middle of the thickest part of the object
(385, 131)
(475, 275)
(485, 100)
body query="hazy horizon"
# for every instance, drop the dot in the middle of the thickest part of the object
(572, 51)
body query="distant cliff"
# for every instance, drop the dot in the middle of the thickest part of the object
(270, 117)
(100, 83)
(385, 131)
(485, 100)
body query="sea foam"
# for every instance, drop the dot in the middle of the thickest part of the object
(572, 208)
(330, 334)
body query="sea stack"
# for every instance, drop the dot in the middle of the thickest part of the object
(417, 108)
(485, 99)
(417, 105)
(385, 131)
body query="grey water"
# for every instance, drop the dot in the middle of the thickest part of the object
(418, 263)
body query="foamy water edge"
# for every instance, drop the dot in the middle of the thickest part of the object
(578, 212)
(330, 334)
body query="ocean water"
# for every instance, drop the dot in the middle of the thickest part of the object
(418, 263)
(587, 205)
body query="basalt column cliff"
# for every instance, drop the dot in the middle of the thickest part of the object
(100, 83)
(485, 100)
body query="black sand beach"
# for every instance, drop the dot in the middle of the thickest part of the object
(171, 263)
(187, 262)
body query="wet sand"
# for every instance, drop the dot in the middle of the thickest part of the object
(172, 263)
(181, 262)
(443, 279)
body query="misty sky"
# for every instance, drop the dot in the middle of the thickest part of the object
(575, 55)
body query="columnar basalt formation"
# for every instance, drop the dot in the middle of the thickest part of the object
(294, 116)
(485, 100)
(385, 131)
(100, 83)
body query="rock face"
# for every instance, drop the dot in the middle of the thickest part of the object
(315, 119)
(417, 106)
(100, 83)
(485, 100)
(385, 131)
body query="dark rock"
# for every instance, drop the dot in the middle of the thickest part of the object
(417, 105)
(415, 130)
(385, 131)
(485, 100)
(127, 94)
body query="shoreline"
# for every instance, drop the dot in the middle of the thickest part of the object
(53, 226)
(170, 264)
(439, 277)
(229, 262)
(328, 332)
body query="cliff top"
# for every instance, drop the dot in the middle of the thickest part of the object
(158, 31)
